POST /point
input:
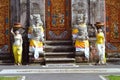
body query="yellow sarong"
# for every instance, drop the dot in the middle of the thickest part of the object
(79, 44)
(17, 51)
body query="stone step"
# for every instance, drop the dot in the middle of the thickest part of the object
(58, 42)
(6, 61)
(32, 55)
(40, 60)
(59, 54)
(6, 64)
(59, 60)
(59, 48)
(62, 65)
(5, 54)
(113, 59)
(5, 57)
(56, 52)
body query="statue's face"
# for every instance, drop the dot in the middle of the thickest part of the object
(80, 18)
(36, 19)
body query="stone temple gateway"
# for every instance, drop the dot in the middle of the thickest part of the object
(58, 18)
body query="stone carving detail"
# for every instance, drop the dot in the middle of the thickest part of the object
(80, 28)
(53, 35)
(79, 7)
(23, 12)
(79, 18)
(36, 27)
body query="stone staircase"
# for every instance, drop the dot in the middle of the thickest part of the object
(55, 52)
(59, 52)
(6, 59)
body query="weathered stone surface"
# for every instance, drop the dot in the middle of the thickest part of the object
(23, 12)
(97, 11)
(79, 7)
(38, 7)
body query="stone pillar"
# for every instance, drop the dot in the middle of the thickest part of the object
(15, 11)
(38, 7)
(23, 12)
(93, 9)
(79, 7)
(97, 11)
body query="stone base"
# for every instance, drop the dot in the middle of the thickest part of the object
(79, 59)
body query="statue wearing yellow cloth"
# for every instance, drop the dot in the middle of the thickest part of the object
(80, 35)
(36, 36)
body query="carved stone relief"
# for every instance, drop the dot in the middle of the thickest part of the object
(38, 7)
(97, 11)
(79, 7)
(23, 12)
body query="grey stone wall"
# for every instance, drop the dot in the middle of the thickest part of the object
(38, 7)
(19, 10)
(23, 12)
(79, 7)
(14, 11)
(93, 9)
(19, 13)
(97, 11)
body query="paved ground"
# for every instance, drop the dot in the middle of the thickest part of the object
(60, 71)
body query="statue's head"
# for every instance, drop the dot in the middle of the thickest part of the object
(36, 19)
(80, 18)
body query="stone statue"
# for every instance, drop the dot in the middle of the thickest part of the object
(36, 35)
(80, 28)
(81, 42)
(36, 28)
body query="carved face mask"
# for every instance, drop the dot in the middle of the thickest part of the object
(80, 18)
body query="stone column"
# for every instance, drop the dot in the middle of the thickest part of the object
(97, 11)
(38, 7)
(79, 7)
(15, 11)
(24, 20)
(23, 12)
